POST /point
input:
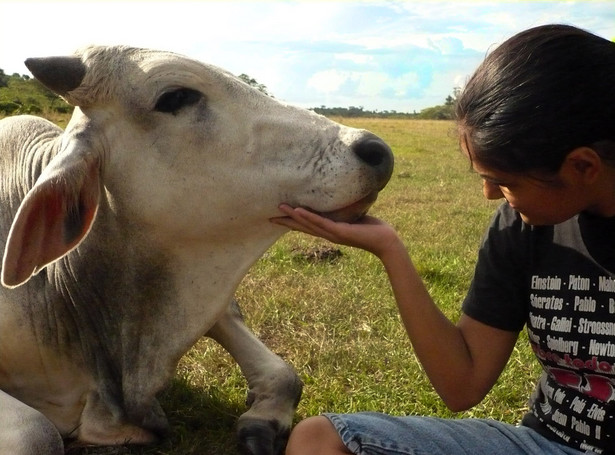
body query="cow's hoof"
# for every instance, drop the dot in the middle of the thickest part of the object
(261, 437)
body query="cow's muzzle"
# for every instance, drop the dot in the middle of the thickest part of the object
(377, 155)
(374, 152)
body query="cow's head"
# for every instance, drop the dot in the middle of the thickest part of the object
(187, 151)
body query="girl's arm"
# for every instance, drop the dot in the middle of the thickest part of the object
(462, 361)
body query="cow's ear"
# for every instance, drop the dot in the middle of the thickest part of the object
(54, 217)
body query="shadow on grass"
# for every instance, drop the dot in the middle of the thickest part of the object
(202, 422)
(441, 277)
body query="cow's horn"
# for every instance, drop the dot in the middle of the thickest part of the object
(59, 74)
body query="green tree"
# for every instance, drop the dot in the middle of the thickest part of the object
(252, 82)
(20, 94)
(445, 111)
(4, 79)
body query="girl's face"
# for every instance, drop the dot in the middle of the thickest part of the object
(539, 202)
(582, 183)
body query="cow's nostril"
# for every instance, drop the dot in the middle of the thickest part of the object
(378, 155)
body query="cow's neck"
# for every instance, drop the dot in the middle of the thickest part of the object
(157, 303)
(207, 275)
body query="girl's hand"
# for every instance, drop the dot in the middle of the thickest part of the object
(369, 233)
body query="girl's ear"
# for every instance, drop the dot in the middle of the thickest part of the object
(582, 164)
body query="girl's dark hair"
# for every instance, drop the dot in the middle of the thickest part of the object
(539, 95)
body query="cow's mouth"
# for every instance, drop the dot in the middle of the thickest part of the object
(354, 211)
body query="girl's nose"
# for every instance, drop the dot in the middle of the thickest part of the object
(492, 191)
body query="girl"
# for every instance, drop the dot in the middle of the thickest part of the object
(537, 123)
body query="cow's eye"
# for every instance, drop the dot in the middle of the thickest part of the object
(173, 101)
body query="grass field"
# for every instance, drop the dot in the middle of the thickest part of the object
(333, 316)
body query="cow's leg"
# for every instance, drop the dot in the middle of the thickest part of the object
(25, 431)
(274, 387)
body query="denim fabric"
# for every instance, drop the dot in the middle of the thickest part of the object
(370, 433)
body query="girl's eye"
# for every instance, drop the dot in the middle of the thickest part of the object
(500, 183)
(493, 182)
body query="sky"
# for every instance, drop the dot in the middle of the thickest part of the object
(380, 55)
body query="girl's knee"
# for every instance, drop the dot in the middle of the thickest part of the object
(315, 435)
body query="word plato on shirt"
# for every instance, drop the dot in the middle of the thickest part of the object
(575, 283)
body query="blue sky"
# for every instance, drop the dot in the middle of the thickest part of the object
(381, 55)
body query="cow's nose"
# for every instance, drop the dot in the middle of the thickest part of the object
(378, 155)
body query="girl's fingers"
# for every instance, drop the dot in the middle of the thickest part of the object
(303, 220)
(369, 233)
(300, 216)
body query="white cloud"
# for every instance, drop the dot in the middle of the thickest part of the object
(328, 81)
(378, 54)
(405, 84)
(356, 58)
(370, 83)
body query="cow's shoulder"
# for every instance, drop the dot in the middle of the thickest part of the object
(20, 127)
(26, 141)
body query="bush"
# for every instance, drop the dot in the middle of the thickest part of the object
(63, 109)
(24, 95)
(9, 107)
(32, 109)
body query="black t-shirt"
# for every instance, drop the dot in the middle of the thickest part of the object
(559, 282)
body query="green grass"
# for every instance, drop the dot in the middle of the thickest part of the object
(335, 320)
(337, 323)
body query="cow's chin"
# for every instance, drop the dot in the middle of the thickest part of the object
(353, 212)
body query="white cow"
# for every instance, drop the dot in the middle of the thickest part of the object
(126, 235)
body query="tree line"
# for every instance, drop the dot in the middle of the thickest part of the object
(21, 94)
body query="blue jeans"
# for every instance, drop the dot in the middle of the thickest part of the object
(371, 433)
